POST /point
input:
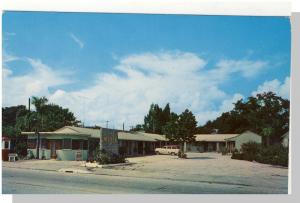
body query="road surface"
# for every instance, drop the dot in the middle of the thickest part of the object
(24, 181)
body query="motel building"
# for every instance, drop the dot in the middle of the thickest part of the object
(77, 143)
(217, 142)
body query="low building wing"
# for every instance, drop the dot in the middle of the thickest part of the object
(213, 137)
(135, 136)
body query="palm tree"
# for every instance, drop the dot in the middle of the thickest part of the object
(39, 104)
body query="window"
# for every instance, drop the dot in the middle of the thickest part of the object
(79, 144)
(67, 144)
(31, 143)
(44, 143)
(6, 144)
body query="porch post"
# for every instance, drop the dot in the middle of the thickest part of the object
(143, 148)
(218, 146)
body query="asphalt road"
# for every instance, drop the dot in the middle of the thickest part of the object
(24, 181)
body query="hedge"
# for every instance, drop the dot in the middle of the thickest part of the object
(274, 154)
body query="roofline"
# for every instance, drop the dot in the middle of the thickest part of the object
(241, 134)
(54, 133)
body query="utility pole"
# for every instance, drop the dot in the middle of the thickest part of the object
(29, 103)
(107, 124)
(123, 126)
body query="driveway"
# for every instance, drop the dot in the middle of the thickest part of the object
(206, 168)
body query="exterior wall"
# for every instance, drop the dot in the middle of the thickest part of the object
(285, 141)
(195, 147)
(33, 152)
(109, 140)
(70, 155)
(246, 137)
(46, 153)
(63, 154)
(205, 147)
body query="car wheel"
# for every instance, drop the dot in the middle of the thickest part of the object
(157, 153)
(172, 153)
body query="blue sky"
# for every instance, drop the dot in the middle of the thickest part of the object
(117, 62)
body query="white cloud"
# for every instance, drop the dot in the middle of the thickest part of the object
(246, 68)
(9, 57)
(77, 40)
(226, 105)
(280, 88)
(17, 89)
(125, 94)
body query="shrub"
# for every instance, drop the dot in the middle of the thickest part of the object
(274, 154)
(104, 157)
(182, 155)
(250, 150)
(237, 155)
(21, 149)
(122, 150)
(30, 155)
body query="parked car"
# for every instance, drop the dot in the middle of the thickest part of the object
(168, 149)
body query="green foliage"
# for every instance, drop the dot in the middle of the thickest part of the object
(182, 155)
(274, 154)
(30, 155)
(177, 128)
(138, 127)
(122, 150)
(47, 117)
(21, 149)
(9, 131)
(104, 157)
(250, 150)
(266, 114)
(186, 126)
(171, 128)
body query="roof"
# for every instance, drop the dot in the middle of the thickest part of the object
(95, 133)
(213, 137)
(155, 136)
(78, 130)
(246, 132)
(136, 136)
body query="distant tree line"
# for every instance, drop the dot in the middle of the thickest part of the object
(45, 117)
(265, 114)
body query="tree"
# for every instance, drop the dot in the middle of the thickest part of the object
(154, 120)
(10, 114)
(47, 117)
(187, 125)
(266, 114)
(171, 129)
(39, 104)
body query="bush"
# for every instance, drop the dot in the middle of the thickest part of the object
(237, 155)
(103, 157)
(250, 150)
(275, 154)
(30, 155)
(122, 150)
(182, 155)
(21, 149)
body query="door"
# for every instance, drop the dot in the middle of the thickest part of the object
(53, 150)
